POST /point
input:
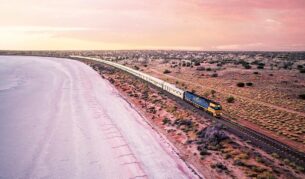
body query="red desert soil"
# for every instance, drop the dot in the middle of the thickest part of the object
(270, 105)
(230, 158)
(297, 145)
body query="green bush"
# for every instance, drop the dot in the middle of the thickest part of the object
(166, 121)
(230, 99)
(249, 84)
(214, 75)
(200, 68)
(246, 65)
(166, 71)
(239, 162)
(196, 63)
(300, 66)
(136, 67)
(240, 84)
(204, 152)
(260, 67)
(302, 96)
(213, 92)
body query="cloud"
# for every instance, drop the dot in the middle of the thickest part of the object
(42, 29)
(206, 24)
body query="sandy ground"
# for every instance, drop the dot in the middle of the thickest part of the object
(156, 106)
(59, 119)
(271, 105)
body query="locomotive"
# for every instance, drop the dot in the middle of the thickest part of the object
(200, 102)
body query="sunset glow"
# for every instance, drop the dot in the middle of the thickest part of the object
(152, 24)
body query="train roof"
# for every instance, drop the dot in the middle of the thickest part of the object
(217, 103)
(173, 86)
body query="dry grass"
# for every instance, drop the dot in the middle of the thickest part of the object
(272, 103)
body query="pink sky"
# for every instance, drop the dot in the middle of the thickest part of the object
(153, 24)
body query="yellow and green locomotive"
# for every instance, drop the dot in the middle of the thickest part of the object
(200, 102)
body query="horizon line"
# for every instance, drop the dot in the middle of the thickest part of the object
(194, 50)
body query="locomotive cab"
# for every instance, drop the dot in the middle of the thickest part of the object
(215, 109)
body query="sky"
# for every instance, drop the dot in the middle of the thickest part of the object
(267, 25)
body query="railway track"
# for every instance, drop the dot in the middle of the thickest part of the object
(264, 142)
(257, 139)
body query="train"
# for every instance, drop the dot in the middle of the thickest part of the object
(199, 102)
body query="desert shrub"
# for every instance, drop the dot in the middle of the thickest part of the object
(286, 161)
(184, 122)
(300, 67)
(300, 168)
(196, 63)
(200, 68)
(166, 121)
(214, 75)
(302, 96)
(249, 84)
(166, 71)
(260, 66)
(230, 99)
(266, 175)
(136, 67)
(239, 162)
(243, 156)
(247, 66)
(206, 94)
(209, 69)
(257, 169)
(111, 80)
(204, 152)
(256, 73)
(219, 166)
(227, 156)
(255, 62)
(302, 70)
(258, 159)
(275, 155)
(213, 92)
(288, 65)
(240, 84)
